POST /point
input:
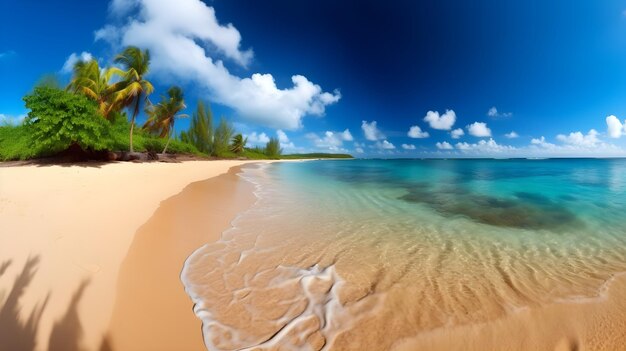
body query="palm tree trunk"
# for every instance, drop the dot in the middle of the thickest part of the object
(132, 121)
(169, 138)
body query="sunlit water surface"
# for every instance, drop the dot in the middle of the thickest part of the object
(396, 247)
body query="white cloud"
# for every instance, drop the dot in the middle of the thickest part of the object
(68, 66)
(331, 140)
(441, 122)
(457, 133)
(579, 139)
(284, 140)
(371, 131)
(408, 146)
(11, 120)
(385, 145)
(346, 135)
(615, 128)
(257, 139)
(511, 135)
(359, 150)
(541, 142)
(484, 146)
(444, 146)
(184, 37)
(493, 113)
(479, 129)
(417, 133)
(282, 136)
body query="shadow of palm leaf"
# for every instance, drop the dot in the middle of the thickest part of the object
(15, 333)
(19, 335)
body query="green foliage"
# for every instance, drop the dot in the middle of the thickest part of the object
(50, 80)
(200, 133)
(144, 141)
(272, 148)
(135, 89)
(15, 143)
(255, 153)
(238, 144)
(223, 133)
(92, 81)
(315, 155)
(59, 119)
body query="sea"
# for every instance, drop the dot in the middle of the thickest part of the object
(379, 250)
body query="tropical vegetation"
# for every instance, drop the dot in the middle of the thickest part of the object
(95, 116)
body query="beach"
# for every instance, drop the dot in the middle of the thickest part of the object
(93, 226)
(294, 256)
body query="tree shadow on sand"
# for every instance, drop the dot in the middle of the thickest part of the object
(15, 333)
(19, 335)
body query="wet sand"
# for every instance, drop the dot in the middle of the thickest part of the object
(152, 310)
(68, 246)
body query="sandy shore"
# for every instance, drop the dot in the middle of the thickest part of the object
(100, 278)
(107, 243)
(589, 324)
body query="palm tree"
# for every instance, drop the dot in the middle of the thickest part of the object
(238, 144)
(93, 82)
(135, 88)
(161, 117)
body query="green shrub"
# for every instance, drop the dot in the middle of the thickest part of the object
(16, 144)
(221, 140)
(200, 133)
(59, 119)
(272, 149)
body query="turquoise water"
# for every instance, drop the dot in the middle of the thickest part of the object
(404, 246)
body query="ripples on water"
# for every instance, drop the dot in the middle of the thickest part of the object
(358, 254)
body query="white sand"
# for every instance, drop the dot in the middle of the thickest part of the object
(81, 221)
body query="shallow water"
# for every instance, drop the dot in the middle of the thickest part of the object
(360, 254)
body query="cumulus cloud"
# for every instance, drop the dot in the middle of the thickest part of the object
(257, 139)
(187, 43)
(346, 135)
(68, 66)
(511, 135)
(283, 139)
(385, 145)
(493, 113)
(359, 150)
(417, 133)
(479, 129)
(541, 142)
(484, 146)
(457, 133)
(330, 140)
(282, 136)
(615, 128)
(444, 146)
(408, 146)
(441, 122)
(371, 131)
(580, 139)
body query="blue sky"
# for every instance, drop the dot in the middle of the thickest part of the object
(552, 72)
